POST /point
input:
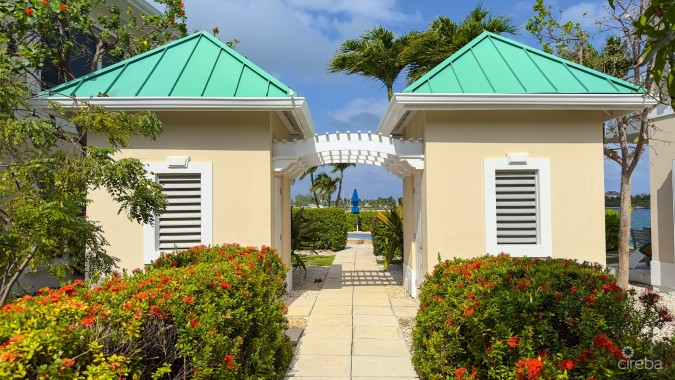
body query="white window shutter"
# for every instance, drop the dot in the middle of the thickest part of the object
(516, 207)
(181, 224)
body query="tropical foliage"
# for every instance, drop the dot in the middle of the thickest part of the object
(619, 52)
(390, 230)
(657, 25)
(204, 313)
(376, 55)
(304, 236)
(523, 318)
(612, 221)
(325, 186)
(47, 166)
(426, 50)
(331, 224)
(340, 168)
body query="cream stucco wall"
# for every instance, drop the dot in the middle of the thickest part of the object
(456, 144)
(661, 158)
(238, 144)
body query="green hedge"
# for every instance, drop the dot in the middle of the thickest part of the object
(523, 318)
(332, 224)
(612, 229)
(204, 313)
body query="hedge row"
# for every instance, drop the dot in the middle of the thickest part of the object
(332, 224)
(522, 318)
(612, 221)
(204, 313)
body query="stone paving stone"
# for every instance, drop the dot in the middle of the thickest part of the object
(405, 311)
(315, 345)
(299, 311)
(330, 320)
(359, 301)
(382, 367)
(333, 301)
(302, 301)
(405, 302)
(320, 310)
(379, 347)
(352, 330)
(376, 332)
(328, 332)
(375, 320)
(372, 310)
(320, 366)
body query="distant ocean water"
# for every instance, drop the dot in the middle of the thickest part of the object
(640, 218)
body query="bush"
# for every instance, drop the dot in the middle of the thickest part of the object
(204, 313)
(612, 229)
(521, 318)
(332, 224)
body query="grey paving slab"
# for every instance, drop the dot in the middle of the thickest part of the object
(352, 327)
(316, 345)
(405, 302)
(382, 367)
(328, 332)
(377, 332)
(379, 347)
(321, 366)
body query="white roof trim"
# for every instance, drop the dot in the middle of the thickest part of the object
(405, 102)
(298, 106)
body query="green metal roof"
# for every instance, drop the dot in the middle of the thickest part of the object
(198, 65)
(498, 65)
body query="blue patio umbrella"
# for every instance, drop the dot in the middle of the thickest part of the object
(355, 202)
(355, 207)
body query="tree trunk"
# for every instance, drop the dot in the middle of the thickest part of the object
(624, 229)
(8, 286)
(316, 198)
(339, 195)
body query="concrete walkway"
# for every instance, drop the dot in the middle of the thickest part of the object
(352, 330)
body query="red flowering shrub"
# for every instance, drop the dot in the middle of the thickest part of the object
(175, 319)
(523, 318)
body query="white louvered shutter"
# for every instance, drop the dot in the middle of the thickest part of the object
(180, 225)
(517, 216)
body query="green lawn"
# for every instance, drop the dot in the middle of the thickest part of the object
(394, 261)
(318, 260)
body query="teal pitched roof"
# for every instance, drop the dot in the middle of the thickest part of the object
(198, 65)
(492, 64)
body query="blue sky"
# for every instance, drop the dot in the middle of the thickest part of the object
(294, 40)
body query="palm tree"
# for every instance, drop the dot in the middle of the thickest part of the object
(325, 185)
(444, 37)
(376, 55)
(340, 168)
(310, 172)
(390, 228)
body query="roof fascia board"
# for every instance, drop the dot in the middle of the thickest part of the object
(298, 106)
(403, 102)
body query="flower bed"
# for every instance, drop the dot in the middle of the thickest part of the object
(519, 318)
(203, 313)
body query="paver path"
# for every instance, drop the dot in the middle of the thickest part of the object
(352, 331)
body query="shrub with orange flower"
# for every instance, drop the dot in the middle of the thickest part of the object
(536, 314)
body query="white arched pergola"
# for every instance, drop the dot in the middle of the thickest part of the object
(401, 157)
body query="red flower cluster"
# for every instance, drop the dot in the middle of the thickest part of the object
(602, 341)
(229, 361)
(28, 11)
(513, 342)
(529, 369)
(63, 7)
(567, 365)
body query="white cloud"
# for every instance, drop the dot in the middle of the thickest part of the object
(359, 106)
(378, 10)
(585, 13)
